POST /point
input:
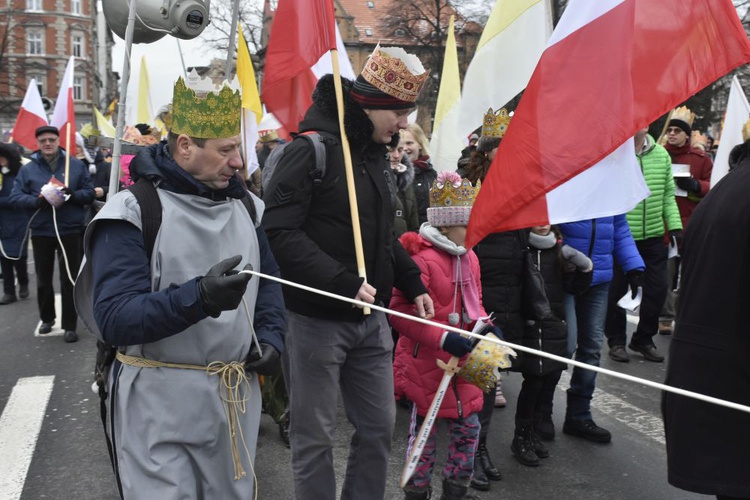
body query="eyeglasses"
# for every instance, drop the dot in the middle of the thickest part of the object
(674, 130)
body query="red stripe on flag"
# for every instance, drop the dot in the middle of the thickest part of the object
(594, 89)
(302, 31)
(24, 130)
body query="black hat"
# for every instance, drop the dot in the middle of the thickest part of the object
(681, 124)
(46, 129)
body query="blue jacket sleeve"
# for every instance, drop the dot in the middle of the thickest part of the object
(270, 320)
(126, 311)
(626, 252)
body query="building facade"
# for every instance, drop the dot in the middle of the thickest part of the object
(37, 37)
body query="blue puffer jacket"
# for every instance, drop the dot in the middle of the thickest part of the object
(28, 185)
(602, 239)
(13, 220)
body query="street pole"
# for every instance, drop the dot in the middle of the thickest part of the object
(114, 178)
(232, 33)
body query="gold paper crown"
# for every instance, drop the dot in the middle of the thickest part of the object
(203, 113)
(684, 114)
(482, 366)
(449, 190)
(698, 140)
(495, 123)
(393, 71)
(746, 131)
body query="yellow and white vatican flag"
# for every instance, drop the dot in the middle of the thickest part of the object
(145, 110)
(512, 42)
(104, 125)
(446, 142)
(252, 111)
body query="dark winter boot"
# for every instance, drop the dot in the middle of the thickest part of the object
(456, 491)
(485, 462)
(479, 480)
(545, 428)
(539, 448)
(421, 494)
(522, 447)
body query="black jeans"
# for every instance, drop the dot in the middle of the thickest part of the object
(654, 254)
(44, 264)
(9, 278)
(535, 398)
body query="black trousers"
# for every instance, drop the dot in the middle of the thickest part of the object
(44, 263)
(535, 398)
(654, 254)
(9, 276)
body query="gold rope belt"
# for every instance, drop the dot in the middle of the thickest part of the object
(233, 380)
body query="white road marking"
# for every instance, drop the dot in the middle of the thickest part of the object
(637, 419)
(20, 424)
(57, 330)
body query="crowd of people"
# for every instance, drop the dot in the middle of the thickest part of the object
(167, 282)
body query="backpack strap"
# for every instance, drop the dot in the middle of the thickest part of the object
(148, 199)
(319, 147)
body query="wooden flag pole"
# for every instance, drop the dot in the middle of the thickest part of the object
(244, 144)
(362, 271)
(67, 151)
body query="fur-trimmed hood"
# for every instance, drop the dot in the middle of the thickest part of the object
(323, 114)
(404, 179)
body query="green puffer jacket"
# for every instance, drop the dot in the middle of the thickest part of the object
(647, 219)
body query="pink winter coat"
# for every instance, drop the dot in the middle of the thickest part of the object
(416, 373)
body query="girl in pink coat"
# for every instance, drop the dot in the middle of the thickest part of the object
(451, 274)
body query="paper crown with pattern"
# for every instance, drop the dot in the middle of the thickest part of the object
(482, 367)
(451, 199)
(203, 110)
(495, 123)
(395, 72)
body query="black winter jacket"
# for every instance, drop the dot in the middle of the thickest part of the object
(501, 260)
(309, 226)
(551, 334)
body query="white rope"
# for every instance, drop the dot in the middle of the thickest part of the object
(62, 247)
(23, 241)
(630, 378)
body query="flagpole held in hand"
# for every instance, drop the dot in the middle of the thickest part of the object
(362, 271)
(67, 155)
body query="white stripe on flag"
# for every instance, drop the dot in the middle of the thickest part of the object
(578, 16)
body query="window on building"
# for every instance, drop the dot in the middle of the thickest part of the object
(77, 88)
(75, 6)
(371, 5)
(76, 44)
(33, 4)
(34, 42)
(39, 82)
(368, 32)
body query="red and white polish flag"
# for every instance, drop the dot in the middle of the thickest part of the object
(610, 68)
(30, 117)
(64, 113)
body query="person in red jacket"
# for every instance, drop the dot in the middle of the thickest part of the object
(688, 192)
(450, 273)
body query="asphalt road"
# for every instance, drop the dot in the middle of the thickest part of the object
(68, 458)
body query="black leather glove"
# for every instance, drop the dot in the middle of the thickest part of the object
(688, 184)
(635, 279)
(266, 364)
(66, 190)
(41, 203)
(676, 237)
(495, 330)
(456, 345)
(222, 288)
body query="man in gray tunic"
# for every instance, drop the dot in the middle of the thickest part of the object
(184, 396)
(331, 345)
